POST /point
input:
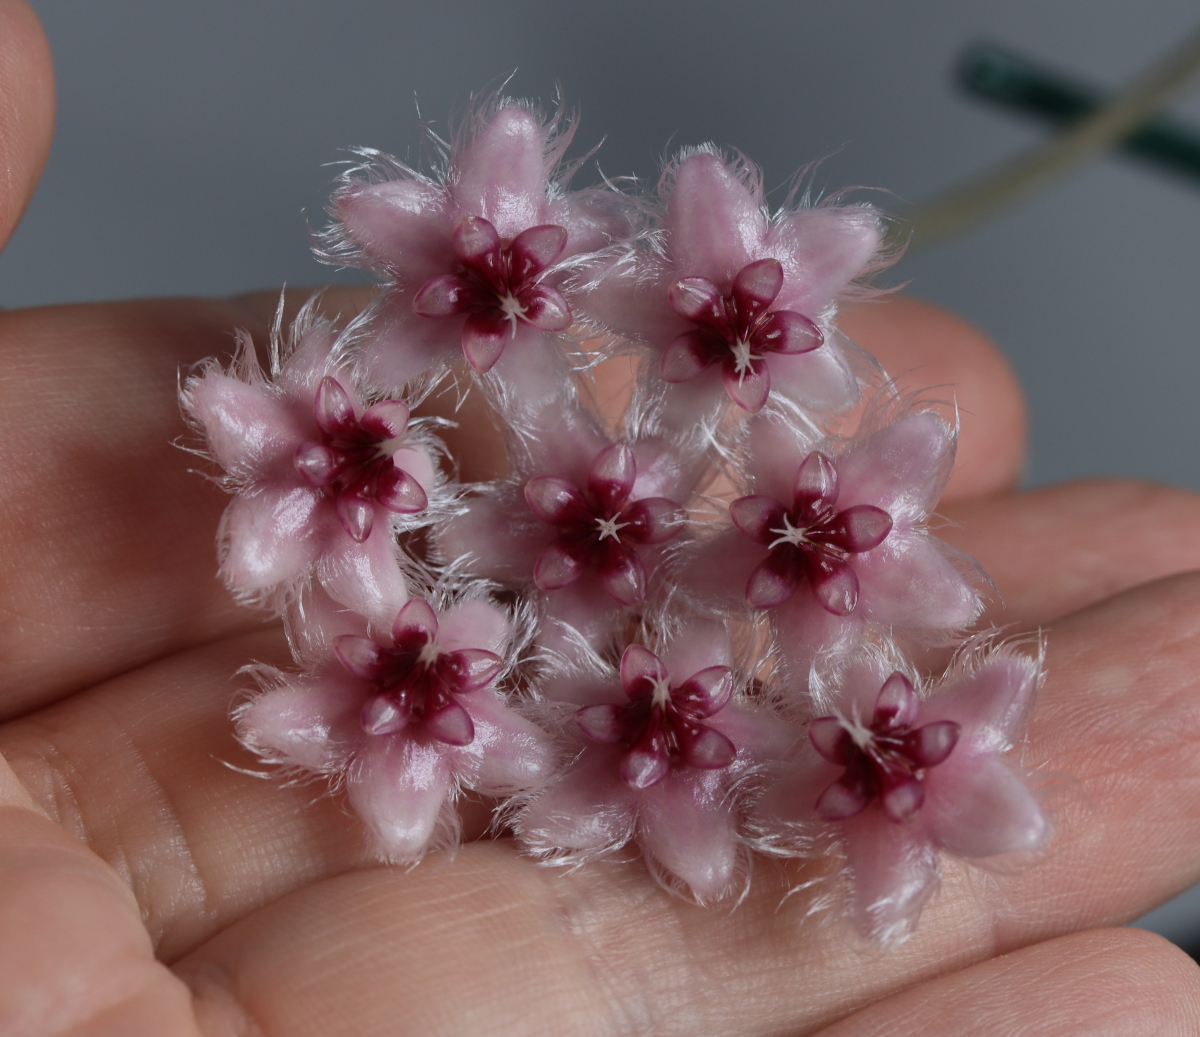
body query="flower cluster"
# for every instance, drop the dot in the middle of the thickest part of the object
(690, 626)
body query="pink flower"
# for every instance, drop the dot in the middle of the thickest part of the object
(896, 779)
(405, 721)
(317, 476)
(850, 548)
(584, 520)
(475, 257)
(728, 290)
(659, 763)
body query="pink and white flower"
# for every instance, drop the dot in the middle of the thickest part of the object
(319, 478)
(405, 721)
(895, 779)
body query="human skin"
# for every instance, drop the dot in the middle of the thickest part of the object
(148, 886)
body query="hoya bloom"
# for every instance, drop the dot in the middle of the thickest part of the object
(405, 721)
(584, 521)
(318, 476)
(836, 537)
(476, 256)
(736, 303)
(896, 779)
(661, 749)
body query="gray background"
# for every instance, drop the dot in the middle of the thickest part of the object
(193, 137)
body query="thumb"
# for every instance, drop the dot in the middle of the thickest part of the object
(26, 109)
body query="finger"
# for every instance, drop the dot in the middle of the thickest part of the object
(1120, 982)
(938, 355)
(1058, 549)
(603, 951)
(75, 958)
(26, 109)
(106, 533)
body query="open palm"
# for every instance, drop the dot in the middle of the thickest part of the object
(150, 886)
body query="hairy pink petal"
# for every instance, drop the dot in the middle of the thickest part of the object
(901, 468)
(509, 753)
(819, 379)
(990, 704)
(399, 787)
(823, 249)
(893, 870)
(713, 222)
(557, 566)
(267, 537)
(980, 808)
(501, 172)
(556, 501)
(758, 517)
(749, 389)
(908, 581)
(415, 626)
(474, 624)
(401, 224)
(589, 807)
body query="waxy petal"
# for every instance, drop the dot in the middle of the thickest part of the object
(787, 332)
(860, 528)
(468, 669)
(545, 309)
(758, 517)
(332, 409)
(612, 475)
(557, 566)
(535, 249)
(501, 173)
(360, 656)
(709, 750)
(750, 388)
(477, 246)
(816, 485)
(933, 743)
(451, 724)
(713, 221)
(356, 515)
(640, 668)
(755, 287)
(643, 767)
(387, 419)
(841, 800)
(399, 789)
(834, 585)
(556, 501)
(601, 723)
(775, 579)
(897, 703)
(831, 739)
(444, 296)
(706, 692)
(699, 300)
(400, 492)
(903, 799)
(685, 357)
(316, 463)
(416, 624)
(980, 808)
(652, 520)
(381, 715)
(485, 333)
(622, 574)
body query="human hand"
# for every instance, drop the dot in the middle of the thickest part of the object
(147, 888)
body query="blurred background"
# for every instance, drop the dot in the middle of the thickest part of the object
(194, 140)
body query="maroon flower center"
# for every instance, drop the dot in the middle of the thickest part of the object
(353, 459)
(662, 725)
(885, 759)
(812, 538)
(415, 683)
(498, 286)
(599, 526)
(736, 329)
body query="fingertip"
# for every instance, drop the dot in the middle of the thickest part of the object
(26, 109)
(924, 347)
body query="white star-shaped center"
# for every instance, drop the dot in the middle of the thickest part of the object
(789, 534)
(428, 654)
(610, 526)
(660, 696)
(513, 311)
(742, 358)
